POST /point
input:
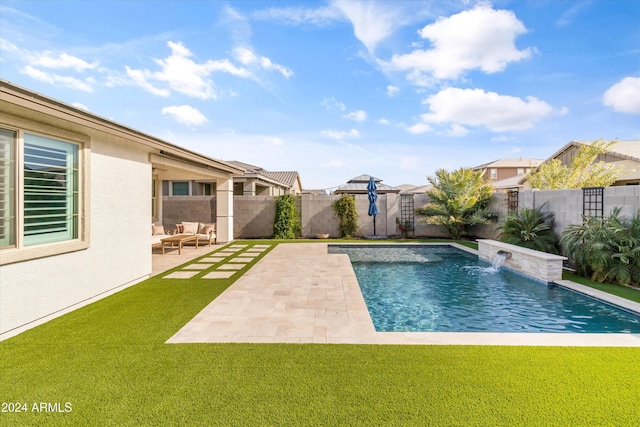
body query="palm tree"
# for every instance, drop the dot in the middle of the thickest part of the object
(458, 200)
(531, 228)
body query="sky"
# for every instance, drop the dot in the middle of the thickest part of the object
(336, 89)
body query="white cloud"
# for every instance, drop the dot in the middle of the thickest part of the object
(624, 96)
(330, 103)
(246, 56)
(358, 116)
(419, 128)
(383, 121)
(321, 16)
(480, 38)
(49, 59)
(140, 77)
(185, 114)
(183, 74)
(341, 134)
(457, 130)
(475, 107)
(85, 85)
(372, 21)
(392, 91)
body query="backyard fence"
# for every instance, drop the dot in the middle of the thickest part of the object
(253, 216)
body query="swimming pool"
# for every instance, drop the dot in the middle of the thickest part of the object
(419, 288)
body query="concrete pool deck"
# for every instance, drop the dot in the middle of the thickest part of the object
(298, 293)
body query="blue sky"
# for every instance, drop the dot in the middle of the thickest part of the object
(335, 89)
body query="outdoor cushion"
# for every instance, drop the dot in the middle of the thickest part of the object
(190, 227)
(206, 228)
(157, 229)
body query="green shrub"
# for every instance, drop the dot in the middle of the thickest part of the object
(345, 208)
(531, 228)
(287, 220)
(605, 249)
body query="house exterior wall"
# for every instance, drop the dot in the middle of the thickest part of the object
(34, 291)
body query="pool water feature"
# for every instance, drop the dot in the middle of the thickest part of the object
(420, 288)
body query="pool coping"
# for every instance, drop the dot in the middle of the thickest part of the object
(299, 293)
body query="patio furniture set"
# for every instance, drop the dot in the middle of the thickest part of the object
(185, 232)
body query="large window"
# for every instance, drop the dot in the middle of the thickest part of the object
(50, 190)
(46, 207)
(7, 188)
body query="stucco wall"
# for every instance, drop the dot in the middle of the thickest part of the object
(35, 291)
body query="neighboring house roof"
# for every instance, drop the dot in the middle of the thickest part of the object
(521, 162)
(627, 152)
(246, 166)
(287, 178)
(508, 183)
(358, 185)
(284, 178)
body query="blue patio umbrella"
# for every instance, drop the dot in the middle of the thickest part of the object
(373, 197)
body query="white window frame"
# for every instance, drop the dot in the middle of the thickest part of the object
(23, 250)
(493, 173)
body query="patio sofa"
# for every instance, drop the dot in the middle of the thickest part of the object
(157, 234)
(206, 232)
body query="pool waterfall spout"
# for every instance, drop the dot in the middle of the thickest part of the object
(499, 259)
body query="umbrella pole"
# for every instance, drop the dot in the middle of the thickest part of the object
(374, 225)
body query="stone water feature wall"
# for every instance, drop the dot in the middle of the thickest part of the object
(536, 264)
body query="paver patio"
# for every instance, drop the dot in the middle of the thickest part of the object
(298, 293)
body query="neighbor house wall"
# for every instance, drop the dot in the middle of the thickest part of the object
(34, 291)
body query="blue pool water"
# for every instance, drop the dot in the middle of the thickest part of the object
(445, 289)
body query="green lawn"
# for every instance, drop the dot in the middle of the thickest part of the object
(109, 362)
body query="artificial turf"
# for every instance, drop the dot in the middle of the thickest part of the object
(109, 361)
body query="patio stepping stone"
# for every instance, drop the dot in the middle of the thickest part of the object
(181, 275)
(197, 266)
(219, 275)
(249, 254)
(213, 259)
(241, 259)
(230, 267)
